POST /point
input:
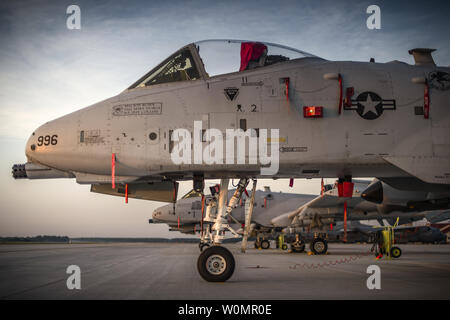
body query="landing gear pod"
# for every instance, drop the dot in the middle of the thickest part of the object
(216, 264)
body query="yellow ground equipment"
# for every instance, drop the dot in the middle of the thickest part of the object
(281, 244)
(384, 243)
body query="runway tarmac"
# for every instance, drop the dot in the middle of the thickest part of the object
(168, 271)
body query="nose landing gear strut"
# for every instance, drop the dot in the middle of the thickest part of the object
(216, 263)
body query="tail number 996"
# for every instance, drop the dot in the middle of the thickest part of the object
(47, 140)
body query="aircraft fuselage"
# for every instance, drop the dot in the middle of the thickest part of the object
(370, 137)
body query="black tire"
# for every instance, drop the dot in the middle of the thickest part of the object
(265, 244)
(297, 248)
(396, 252)
(216, 264)
(284, 246)
(203, 246)
(319, 246)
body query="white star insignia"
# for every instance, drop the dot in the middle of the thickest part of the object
(369, 105)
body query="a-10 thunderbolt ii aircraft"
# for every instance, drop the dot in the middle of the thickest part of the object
(302, 116)
(294, 214)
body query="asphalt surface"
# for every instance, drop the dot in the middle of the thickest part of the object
(168, 271)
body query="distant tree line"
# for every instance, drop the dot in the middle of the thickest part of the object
(160, 240)
(43, 238)
(65, 239)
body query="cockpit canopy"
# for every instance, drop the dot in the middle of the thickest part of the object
(209, 58)
(178, 67)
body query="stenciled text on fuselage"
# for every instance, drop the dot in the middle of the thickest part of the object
(206, 147)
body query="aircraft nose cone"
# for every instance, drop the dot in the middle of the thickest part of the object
(373, 193)
(37, 142)
(30, 147)
(155, 214)
(158, 215)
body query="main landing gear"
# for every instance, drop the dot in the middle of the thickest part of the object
(298, 245)
(262, 244)
(216, 263)
(319, 246)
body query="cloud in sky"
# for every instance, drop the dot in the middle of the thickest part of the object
(47, 71)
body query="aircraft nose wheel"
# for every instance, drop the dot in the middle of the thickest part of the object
(216, 264)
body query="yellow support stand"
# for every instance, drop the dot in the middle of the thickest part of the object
(281, 244)
(388, 242)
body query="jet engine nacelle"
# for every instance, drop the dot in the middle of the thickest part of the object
(382, 193)
(391, 199)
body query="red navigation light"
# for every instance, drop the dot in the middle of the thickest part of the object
(313, 112)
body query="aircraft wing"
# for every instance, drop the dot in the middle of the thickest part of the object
(428, 169)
